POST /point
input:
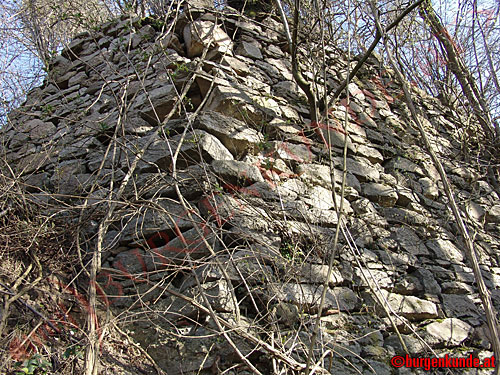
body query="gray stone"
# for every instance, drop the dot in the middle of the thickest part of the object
(37, 182)
(17, 139)
(475, 211)
(236, 173)
(77, 79)
(409, 241)
(374, 278)
(381, 194)
(251, 50)
(457, 287)
(317, 274)
(200, 145)
(69, 177)
(235, 103)
(334, 136)
(225, 208)
(370, 153)
(298, 153)
(429, 188)
(408, 285)
(404, 216)
(239, 66)
(363, 171)
(234, 134)
(162, 100)
(218, 295)
(402, 164)
(363, 206)
(431, 286)
(413, 344)
(449, 332)
(405, 196)
(317, 174)
(460, 306)
(410, 307)
(38, 129)
(131, 264)
(199, 34)
(446, 250)
(198, 242)
(308, 296)
(166, 216)
(493, 214)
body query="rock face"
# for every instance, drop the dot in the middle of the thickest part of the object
(230, 202)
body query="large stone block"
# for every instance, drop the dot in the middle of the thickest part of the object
(200, 34)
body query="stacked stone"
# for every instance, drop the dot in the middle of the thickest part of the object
(256, 176)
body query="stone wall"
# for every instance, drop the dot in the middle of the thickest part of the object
(255, 226)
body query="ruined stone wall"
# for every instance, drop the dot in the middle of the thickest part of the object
(256, 228)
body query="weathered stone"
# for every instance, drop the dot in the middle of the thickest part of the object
(457, 287)
(409, 241)
(140, 226)
(401, 215)
(493, 214)
(255, 178)
(446, 250)
(405, 196)
(200, 34)
(162, 100)
(460, 306)
(431, 286)
(355, 91)
(429, 188)
(370, 153)
(402, 164)
(200, 145)
(475, 211)
(379, 193)
(234, 134)
(224, 208)
(17, 139)
(363, 171)
(251, 50)
(334, 136)
(234, 103)
(197, 242)
(240, 67)
(291, 152)
(374, 278)
(38, 129)
(236, 173)
(308, 296)
(77, 79)
(276, 69)
(413, 344)
(318, 174)
(317, 274)
(410, 307)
